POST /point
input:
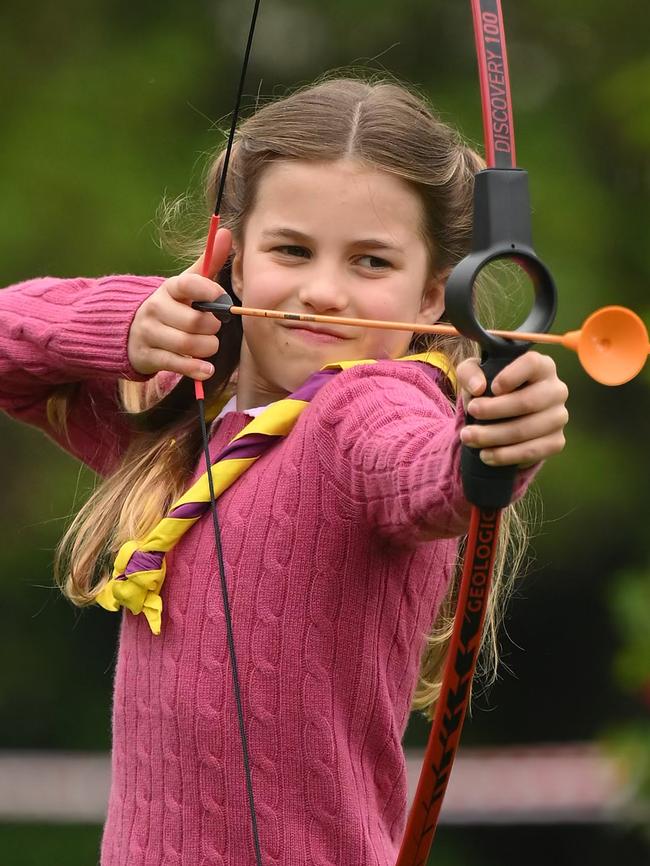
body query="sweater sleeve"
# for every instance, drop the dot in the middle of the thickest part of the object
(389, 441)
(71, 332)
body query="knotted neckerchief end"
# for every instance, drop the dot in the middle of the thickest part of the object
(106, 599)
(138, 576)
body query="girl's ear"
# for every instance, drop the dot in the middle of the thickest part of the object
(236, 271)
(433, 298)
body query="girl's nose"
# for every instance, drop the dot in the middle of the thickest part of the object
(323, 291)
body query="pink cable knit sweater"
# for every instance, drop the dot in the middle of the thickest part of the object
(339, 546)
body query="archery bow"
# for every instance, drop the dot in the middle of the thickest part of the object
(501, 229)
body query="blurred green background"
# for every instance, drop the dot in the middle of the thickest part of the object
(108, 106)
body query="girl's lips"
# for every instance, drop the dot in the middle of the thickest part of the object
(316, 335)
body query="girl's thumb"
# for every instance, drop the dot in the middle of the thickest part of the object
(220, 253)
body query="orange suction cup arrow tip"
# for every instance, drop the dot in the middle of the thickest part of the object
(612, 345)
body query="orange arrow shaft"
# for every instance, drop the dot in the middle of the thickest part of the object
(448, 330)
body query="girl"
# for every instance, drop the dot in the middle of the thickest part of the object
(349, 199)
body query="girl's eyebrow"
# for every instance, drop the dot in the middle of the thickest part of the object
(279, 232)
(284, 232)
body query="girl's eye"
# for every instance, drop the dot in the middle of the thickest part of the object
(374, 263)
(294, 251)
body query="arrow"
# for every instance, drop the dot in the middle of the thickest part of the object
(612, 344)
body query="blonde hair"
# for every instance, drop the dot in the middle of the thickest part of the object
(384, 126)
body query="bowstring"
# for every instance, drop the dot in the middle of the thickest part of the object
(235, 114)
(206, 451)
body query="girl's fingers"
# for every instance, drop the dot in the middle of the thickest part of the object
(527, 411)
(188, 287)
(160, 347)
(528, 368)
(184, 318)
(535, 397)
(471, 379)
(166, 333)
(180, 343)
(193, 368)
(525, 454)
(527, 428)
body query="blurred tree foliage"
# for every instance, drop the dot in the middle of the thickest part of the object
(107, 106)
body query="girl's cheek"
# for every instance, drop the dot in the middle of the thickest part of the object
(269, 292)
(262, 285)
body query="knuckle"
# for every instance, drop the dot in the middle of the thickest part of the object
(148, 308)
(201, 347)
(542, 363)
(526, 403)
(183, 344)
(179, 343)
(548, 364)
(519, 433)
(478, 439)
(147, 324)
(179, 363)
(156, 300)
(182, 288)
(503, 457)
(153, 360)
(193, 285)
(541, 366)
(208, 324)
(204, 289)
(209, 346)
(466, 367)
(531, 454)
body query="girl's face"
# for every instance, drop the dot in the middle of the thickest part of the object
(333, 238)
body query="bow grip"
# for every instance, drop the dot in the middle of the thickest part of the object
(488, 486)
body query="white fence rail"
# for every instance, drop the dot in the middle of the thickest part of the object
(543, 784)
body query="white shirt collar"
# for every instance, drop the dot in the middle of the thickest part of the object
(231, 406)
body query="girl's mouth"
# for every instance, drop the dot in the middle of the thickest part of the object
(318, 335)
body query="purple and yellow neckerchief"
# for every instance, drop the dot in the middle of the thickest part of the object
(140, 565)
